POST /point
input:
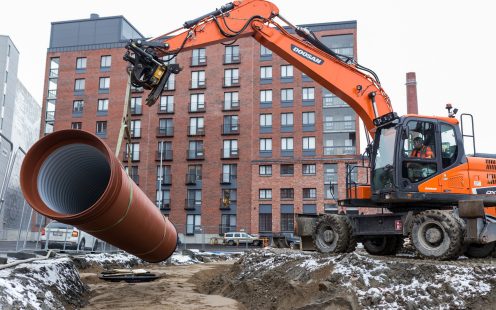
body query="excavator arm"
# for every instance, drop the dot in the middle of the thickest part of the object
(343, 77)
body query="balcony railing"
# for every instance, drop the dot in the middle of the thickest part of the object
(165, 131)
(332, 102)
(196, 131)
(137, 110)
(133, 155)
(54, 73)
(192, 178)
(163, 205)
(52, 94)
(198, 61)
(339, 150)
(227, 178)
(230, 105)
(198, 84)
(200, 107)
(230, 153)
(230, 129)
(50, 116)
(166, 179)
(232, 59)
(340, 126)
(230, 82)
(164, 155)
(226, 204)
(195, 154)
(135, 133)
(191, 204)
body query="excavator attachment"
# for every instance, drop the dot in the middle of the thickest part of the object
(147, 69)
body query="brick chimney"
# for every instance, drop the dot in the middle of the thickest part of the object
(411, 93)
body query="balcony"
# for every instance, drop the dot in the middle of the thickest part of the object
(54, 73)
(166, 179)
(198, 84)
(232, 59)
(230, 129)
(230, 105)
(52, 94)
(227, 178)
(339, 150)
(195, 154)
(50, 116)
(135, 133)
(230, 153)
(198, 61)
(196, 131)
(134, 156)
(165, 131)
(163, 205)
(340, 126)
(333, 102)
(200, 107)
(230, 82)
(227, 204)
(225, 229)
(191, 204)
(192, 178)
(164, 155)
(137, 110)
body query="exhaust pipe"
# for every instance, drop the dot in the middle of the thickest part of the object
(73, 177)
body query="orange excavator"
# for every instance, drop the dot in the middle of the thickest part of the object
(421, 179)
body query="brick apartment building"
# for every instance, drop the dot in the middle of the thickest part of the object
(240, 140)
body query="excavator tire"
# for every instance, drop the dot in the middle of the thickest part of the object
(437, 235)
(385, 245)
(480, 250)
(352, 243)
(331, 234)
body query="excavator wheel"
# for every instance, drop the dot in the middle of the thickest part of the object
(480, 250)
(331, 234)
(437, 234)
(352, 243)
(385, 245)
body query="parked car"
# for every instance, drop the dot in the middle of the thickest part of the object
(56, 234)
(232, 238)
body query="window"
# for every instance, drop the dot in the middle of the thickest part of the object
(101, 128)
(77, 125)
(287, 119)
(231, 101)
(265, 52)
(308, 143)
(231, 124)
(308, 118)
(231, 77)
(133, 173)
(232, 54)
(81, 63)
(286, 94)
(171, 83)
(169, 59)
(308, 93)
(164, 150)
(163, 199)
(309, 169)
(164, 176)
(166, 104)
(230, 149)
(105, 62)
(286, 71)
(196, 126)
(77, 106)
(229, 197)
(194, 174)
(228, 223)
(265, 193)
(266, 144)
(79, 85)
(449, 148)
(330, 181)
(266, 120)
(102, 106)
(287, 144)
(287, 222)
(266, 73)
(195, 150)
(194, 197)
(287, 169)
(265, 170)
(265, 222)
(309, 193)
(104, 83)
(136, 105)
(341, 44)
(198, 79)
(229, 172)
(193, 224)
(287, 193)
(266, 96)
(165, 127)
(199, 57)
(135, 128)
(197, 103)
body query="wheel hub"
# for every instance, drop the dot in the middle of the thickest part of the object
(433, 235)
(329, 236)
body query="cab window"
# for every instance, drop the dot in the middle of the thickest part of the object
(449, 147)
(419, 151)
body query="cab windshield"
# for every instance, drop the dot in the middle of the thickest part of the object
(383, 169)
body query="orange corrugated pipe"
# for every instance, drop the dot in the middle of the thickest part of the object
(73, 177)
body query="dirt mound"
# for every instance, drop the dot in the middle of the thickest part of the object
(281, 279)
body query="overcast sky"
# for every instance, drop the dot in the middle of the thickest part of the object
(449, 44)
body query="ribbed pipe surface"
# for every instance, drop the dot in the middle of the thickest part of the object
(71, 176)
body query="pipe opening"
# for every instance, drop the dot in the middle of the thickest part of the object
(73, 178)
